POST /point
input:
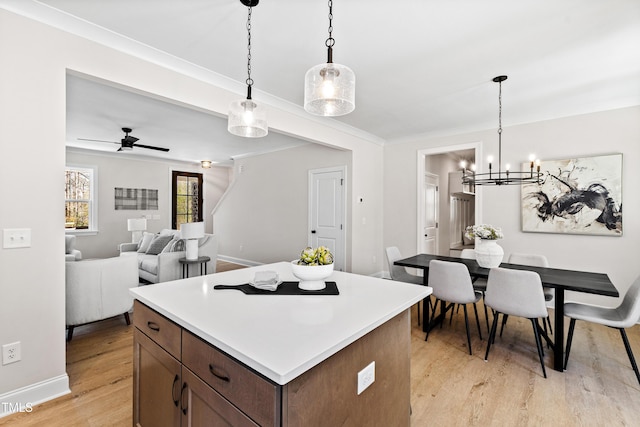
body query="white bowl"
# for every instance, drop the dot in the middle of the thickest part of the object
(311, 276)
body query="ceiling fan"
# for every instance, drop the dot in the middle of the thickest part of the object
(128, 142)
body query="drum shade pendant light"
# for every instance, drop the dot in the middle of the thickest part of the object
(329, 89)
(505, 177)
(247, 118)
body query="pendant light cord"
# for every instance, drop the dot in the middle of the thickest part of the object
(499, 127)
(249, 79)
(330, 40)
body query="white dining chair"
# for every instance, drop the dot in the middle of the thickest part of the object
(479, 283)
(621, 317)
(516, 293)
(535, 260)
(451, 283)
(400, 274)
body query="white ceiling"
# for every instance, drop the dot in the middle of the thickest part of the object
(423, 67)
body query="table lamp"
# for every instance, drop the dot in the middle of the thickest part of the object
(191, 232)
(136, 226)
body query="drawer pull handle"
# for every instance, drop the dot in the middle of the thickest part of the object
(224, 378)
(182, 396)
(153, 326)
(175, 399)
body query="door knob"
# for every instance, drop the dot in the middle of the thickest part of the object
(313, 231)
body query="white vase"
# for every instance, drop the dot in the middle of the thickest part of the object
(311, 277)
(488, 253)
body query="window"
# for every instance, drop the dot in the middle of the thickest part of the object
(80, 197)
(186, 190)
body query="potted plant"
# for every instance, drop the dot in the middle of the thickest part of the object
(313, 266)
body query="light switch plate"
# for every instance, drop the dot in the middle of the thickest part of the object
(16, 238)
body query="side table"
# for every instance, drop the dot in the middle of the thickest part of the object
(203, 260)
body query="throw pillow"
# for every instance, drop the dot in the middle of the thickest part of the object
(143, 245)
(158, 244)
(169, 246)
(178, 246)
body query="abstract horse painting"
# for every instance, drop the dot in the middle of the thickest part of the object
(576, 196)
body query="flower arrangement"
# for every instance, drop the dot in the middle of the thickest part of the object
(318, 256)
(483, 231)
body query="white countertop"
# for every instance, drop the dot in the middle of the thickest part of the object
(280, 336)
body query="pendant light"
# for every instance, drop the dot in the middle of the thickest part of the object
(247, 118)
(329, 89)
(505, 177)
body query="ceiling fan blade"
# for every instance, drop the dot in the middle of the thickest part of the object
(151, 147)
(97, 140)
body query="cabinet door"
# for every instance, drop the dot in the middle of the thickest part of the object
(156, 384)
(203, 406)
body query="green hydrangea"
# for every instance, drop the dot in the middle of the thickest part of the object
(318, 256)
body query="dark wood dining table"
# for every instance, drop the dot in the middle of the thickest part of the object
(559, 279)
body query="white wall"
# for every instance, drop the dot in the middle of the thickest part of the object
(32, 143)
(616, 131)
(264, 217)
(129, 172)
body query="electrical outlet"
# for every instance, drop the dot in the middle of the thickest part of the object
(366, 377)
(10, 353)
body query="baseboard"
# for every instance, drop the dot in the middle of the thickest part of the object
(239, 261)
(25, 398)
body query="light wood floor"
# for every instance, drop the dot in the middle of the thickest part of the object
(448, 386)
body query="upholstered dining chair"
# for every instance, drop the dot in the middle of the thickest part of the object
(534, 260)
(516, 293)
(400, 274)
(451, 283)
(479, 283)
(621, 317)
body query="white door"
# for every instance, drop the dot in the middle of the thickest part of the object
(326, 212)
(430, 221)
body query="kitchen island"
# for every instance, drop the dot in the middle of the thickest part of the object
(203, 355)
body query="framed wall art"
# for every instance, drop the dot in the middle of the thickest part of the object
(576, 196)
(136, 199)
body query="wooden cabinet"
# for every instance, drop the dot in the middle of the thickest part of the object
(192, 383)
(156, 384)
(256, 396)
(202, 406)
(168, 393)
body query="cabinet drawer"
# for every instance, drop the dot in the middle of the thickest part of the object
(203, 406)
(157, 327)
(254, 395)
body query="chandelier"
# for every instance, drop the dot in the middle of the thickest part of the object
(329, 88)
(506, 177)
(247, 118)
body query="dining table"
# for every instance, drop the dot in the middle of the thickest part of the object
(559, 279)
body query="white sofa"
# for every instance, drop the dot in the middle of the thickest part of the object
(98, 289)
(164, 266)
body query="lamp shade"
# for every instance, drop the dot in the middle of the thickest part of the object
(247, 119)
(329, 90)
(136, 224)
(192, 230)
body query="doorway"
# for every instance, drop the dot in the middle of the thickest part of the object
(441, 161)
(430, 230)
(327, 212)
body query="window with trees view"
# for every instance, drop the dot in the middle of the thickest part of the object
(187, 198)
(79, 198)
